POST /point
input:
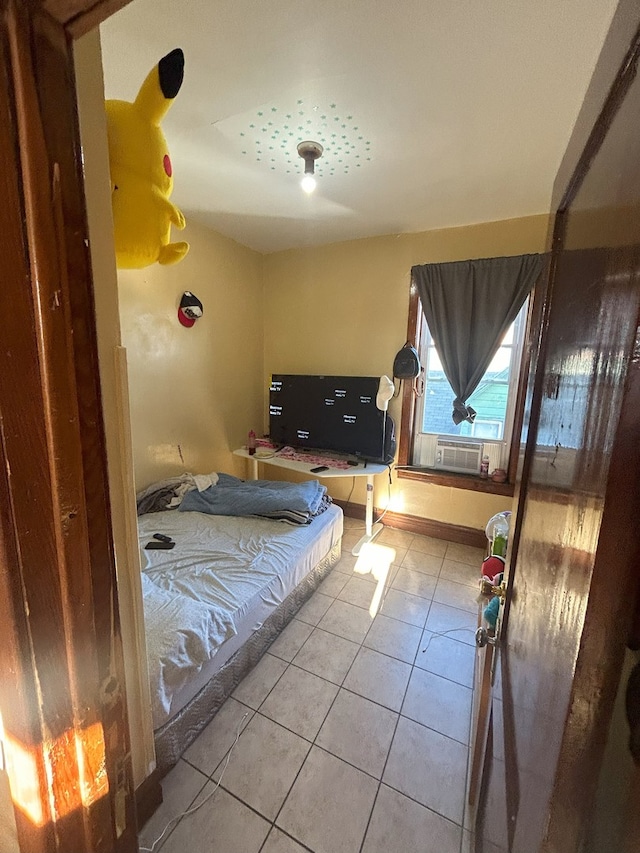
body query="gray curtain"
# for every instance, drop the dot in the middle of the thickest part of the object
(469, 305)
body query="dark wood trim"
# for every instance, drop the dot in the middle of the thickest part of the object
(63, 701)
(148, 797)
(609, 615)
(455, 481)
(408, 396)
(420, 526)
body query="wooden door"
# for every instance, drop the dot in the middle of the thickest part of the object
(63, 703)
(575, 549)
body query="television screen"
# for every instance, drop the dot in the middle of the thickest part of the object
(337, 413)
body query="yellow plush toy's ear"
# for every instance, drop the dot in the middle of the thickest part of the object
(141, 171)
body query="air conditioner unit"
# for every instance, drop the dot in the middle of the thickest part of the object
(460, 455)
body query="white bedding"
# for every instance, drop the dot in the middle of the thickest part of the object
(221, 570)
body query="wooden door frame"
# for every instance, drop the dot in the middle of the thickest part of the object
(64, 711)
(606, 625)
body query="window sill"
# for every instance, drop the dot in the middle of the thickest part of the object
(456, 481)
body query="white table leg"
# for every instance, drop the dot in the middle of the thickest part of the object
(371, 529)
(253, 468)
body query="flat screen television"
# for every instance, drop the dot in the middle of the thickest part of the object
(336, 413)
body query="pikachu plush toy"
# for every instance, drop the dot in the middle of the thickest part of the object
(141, 173)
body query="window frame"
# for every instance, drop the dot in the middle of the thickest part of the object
(426, 342)
(405, 470)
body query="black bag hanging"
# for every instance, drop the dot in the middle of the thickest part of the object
(406, 364)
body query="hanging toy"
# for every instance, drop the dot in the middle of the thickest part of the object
(491, 611)
(497, 532)
(492, 566)
(141, 171)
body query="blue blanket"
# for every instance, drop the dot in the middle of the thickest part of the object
(231, 496)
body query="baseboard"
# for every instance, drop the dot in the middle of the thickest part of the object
(148, 797)
(421, 526)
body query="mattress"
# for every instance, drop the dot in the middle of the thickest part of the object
(205, 598)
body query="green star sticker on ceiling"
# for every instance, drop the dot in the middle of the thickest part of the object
(333, 106)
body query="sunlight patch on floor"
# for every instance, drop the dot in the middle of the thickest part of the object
(375, 560)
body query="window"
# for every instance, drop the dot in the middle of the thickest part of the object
(495, 399)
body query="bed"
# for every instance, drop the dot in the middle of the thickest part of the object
(216, 601)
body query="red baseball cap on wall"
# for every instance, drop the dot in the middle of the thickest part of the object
(190, 309)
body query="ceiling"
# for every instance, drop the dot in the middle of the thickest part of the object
(432, 113)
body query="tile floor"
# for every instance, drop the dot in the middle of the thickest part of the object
(354, 724)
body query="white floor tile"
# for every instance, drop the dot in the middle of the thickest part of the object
(405, 607)
(257, 684)
(358, 731)
(300, 702)
(429, 545)
(291, 640)
(429, 768)
(460, 624)
(461, 573)
(347, 621)
(400, 824)
(415, 583)
(210, 747)
(394, 638)
(263, 765)
(314, 609)
(447, 657)
(327, 655)
(379, 678)
(359, 592)
(391, 536)
(333, 584)
(329, 805)
(179, 788)
(457, 595)
(439, 704)
(465, 554)
(428, 564)
(222, 825)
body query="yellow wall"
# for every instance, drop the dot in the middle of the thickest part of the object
(195, 392)
(342, 309)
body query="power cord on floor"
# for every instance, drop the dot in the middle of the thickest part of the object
(384, 512)
(443, 633)
(174, 820)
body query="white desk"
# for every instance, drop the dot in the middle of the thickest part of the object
(361, 470)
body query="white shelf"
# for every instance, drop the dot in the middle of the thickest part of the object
(363, 469)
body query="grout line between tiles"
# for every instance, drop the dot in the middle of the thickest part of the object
(288, 835)
(375, 800)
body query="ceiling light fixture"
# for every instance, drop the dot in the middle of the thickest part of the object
(309, 151)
